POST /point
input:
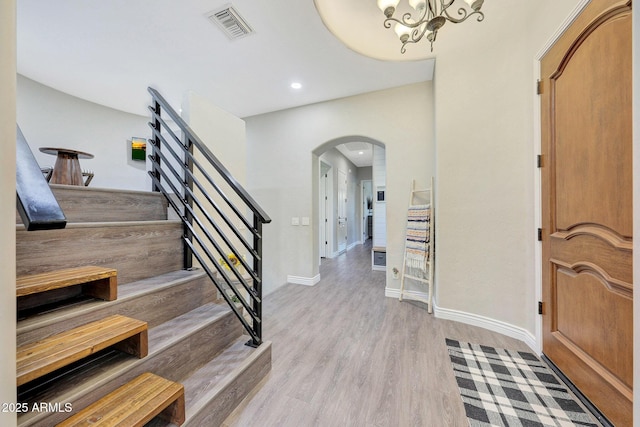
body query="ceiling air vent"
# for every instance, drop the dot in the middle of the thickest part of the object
(230, 22)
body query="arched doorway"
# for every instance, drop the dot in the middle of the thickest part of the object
(330, 164)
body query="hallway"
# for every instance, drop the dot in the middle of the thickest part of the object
(345, 355)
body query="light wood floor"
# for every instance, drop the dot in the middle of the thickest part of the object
(345, 355)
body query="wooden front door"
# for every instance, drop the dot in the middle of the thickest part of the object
(587, 206)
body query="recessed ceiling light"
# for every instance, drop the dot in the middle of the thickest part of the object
(361, 152)
(296, 85)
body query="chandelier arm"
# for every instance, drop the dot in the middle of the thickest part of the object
(404, 21)
(444, 5)
(418, 33)
(430, 7)
(408, 21)
(464, 15)
(433, 8)
(387, 22)
(404, 45)
(412, 40)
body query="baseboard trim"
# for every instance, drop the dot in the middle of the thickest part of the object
(395, 293)
(488, 323)
(306, 281)
(473, 319)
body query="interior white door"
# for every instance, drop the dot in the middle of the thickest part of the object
(323, 215)
(342, 211)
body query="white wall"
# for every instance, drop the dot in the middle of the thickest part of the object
(49, 118)
(485, 221)
(8, 208)
(224, 135)
(281, 168)
(365, 173)
(222, 132)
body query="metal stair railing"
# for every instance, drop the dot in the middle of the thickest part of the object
(36, 204)
(181, 167)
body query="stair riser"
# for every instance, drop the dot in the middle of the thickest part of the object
(223, 403)
(174, 362)
(56, 295)
(197, 350)
(136, 250)
(88, 204)
(154, 308)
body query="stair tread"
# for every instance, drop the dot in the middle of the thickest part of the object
(45, 356)
(125, 291)
(133, 404)
(42, 282)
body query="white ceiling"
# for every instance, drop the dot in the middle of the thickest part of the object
(359, 153)
(108, 52)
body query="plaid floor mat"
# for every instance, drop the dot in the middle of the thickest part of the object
(511, 388)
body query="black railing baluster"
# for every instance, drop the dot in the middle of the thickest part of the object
(156, 162)
(188, 181)
(205, 213)
(257, 285)
(186, 201)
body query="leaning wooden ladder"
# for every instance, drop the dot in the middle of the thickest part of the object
(419, 245)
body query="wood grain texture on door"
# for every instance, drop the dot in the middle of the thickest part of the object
(587, 206)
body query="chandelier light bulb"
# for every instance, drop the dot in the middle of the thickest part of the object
(402, 31)
(388, 7)
(431, 36)
(475, 4)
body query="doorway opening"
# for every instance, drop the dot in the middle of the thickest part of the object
(346, 172)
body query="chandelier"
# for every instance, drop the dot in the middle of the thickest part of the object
(432, 15)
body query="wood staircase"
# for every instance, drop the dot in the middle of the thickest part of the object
(110, 326)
